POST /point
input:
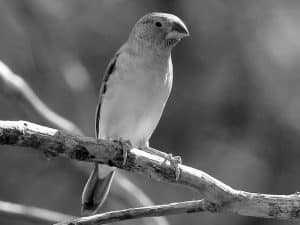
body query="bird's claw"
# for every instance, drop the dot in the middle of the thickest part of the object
(125, 148)
(125, 155)
(174, 161)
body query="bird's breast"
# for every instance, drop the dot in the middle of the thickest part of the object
(146, 79)
(134, 101)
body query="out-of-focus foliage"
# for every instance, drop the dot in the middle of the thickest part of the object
(234, 111)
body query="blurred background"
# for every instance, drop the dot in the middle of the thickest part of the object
(234, 111)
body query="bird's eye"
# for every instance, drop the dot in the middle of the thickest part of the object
(158, 24)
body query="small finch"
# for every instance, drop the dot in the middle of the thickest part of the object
(134, 92)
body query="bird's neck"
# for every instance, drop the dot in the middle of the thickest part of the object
(146, 49)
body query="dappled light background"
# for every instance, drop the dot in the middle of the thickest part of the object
(234, 111)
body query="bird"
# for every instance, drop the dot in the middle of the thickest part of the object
(135, 88)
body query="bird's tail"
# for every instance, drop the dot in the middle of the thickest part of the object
(96, 189)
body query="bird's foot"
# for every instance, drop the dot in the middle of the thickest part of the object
(125, 145)
(174, 162)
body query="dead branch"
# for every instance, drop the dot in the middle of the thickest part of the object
(14, 86)
(134, 213)
(54, 143)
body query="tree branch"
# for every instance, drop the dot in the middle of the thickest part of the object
(32, 214)
(54, 143)
(134, 213)
(14, 86)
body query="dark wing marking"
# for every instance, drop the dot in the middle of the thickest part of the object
(109, 70)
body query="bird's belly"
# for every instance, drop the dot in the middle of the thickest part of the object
(132, 111)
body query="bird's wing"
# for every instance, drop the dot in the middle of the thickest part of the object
(96, 189)
(109, 70)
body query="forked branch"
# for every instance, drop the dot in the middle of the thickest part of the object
(54, 143)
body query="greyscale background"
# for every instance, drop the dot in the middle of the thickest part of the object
(234, 111)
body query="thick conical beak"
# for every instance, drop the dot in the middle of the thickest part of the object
(178, 31)
(180, 28)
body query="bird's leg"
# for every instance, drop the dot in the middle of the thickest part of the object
(174, 160)
(124, 143)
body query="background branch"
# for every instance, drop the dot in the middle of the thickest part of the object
(57, 143)
(15, 86)
(32, 214)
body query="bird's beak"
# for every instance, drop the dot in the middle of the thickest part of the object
(178, 31)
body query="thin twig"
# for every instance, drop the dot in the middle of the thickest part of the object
(135, 213)
(32, 214)
(226, 199)
(136, 196)
(16, 86)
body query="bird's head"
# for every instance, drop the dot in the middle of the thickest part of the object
(159, 30)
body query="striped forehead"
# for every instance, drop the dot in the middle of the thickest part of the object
(164, 16)
(151, 17)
